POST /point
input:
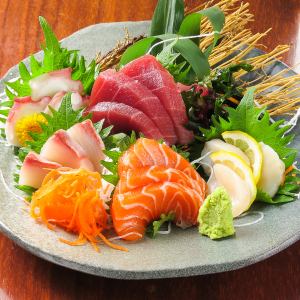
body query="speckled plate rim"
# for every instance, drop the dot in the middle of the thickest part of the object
(154, 274)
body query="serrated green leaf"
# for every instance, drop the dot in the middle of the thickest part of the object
(256, 122)
(51, 40)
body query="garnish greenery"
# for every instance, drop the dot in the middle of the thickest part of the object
(256, 122)
(154, 227)
(55, 58)
(286, 193)
(168, 24)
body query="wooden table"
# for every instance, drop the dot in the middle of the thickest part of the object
(23, 276)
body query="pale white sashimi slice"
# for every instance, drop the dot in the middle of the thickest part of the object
(63, 150)
(22, 107)
(273, 169)
(34, 170)
(55, 103)
(219, 145)
(235, 186)
(85, 135)
(53, 82)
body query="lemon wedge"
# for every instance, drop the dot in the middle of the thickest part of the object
(238, 165)
(235, 186)
(249, 146)
(218, 145)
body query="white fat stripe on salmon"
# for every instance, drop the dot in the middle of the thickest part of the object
(137, 155)
(153, 157)
(149, 175)
(150, 195)
(164, 154)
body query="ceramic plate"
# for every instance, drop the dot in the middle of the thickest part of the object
(183, 252)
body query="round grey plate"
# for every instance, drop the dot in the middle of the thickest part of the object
(183, 252)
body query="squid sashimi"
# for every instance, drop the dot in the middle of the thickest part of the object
(22, 107)
(53, 82)
(85, 135)
(62, 149)
(149, 72)
(124, 118)
(34, 169)
(147, 152)
(112, 86)
(134, 210)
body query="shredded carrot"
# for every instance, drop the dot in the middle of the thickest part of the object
(287, 171)
(233, 100)
(71, 199)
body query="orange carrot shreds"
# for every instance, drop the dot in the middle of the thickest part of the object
(233, 100)
(287, 171)
(71, 199)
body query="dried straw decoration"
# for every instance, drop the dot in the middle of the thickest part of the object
(279, 93)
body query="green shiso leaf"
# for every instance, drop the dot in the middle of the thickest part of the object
(64, 118)
(287, 192)
(191, 24)
(256, 122)
(167, 17)
(154, 227)
(55, 58)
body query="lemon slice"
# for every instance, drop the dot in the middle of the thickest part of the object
(234, 185)
(237, 164)
(249, 146)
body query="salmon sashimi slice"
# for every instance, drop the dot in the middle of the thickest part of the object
(134, 210)
(148, 152)
(112, 86)
(135, 178)
(149, 72)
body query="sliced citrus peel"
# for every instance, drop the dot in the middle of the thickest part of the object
(70, 199)
(249, 146)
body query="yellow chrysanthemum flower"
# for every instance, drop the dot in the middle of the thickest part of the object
(28, 124)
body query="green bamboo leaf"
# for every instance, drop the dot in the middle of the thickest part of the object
(136, 50)
(167, 17)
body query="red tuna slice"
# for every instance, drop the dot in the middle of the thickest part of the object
(149, 72)
(62, 149)
(117, 87)
(124, 118)
(86, 136)
(34, 170)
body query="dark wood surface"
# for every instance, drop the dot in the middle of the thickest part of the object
(23, 276)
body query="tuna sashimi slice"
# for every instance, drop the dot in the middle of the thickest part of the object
(62, 149)
(124, 118)
(85, 135)
(117, 87)
(149, 72)
(34, 170)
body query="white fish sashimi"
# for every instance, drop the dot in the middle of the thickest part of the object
(235, 186)
(86, 136)
(55, 103)
(22, 107)
(273, 169)
(62, 149)
(34, 170)
(216, 145)
(53, 82)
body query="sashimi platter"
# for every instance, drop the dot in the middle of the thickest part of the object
(152, 149)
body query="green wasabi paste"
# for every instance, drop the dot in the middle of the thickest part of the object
(215, 215)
